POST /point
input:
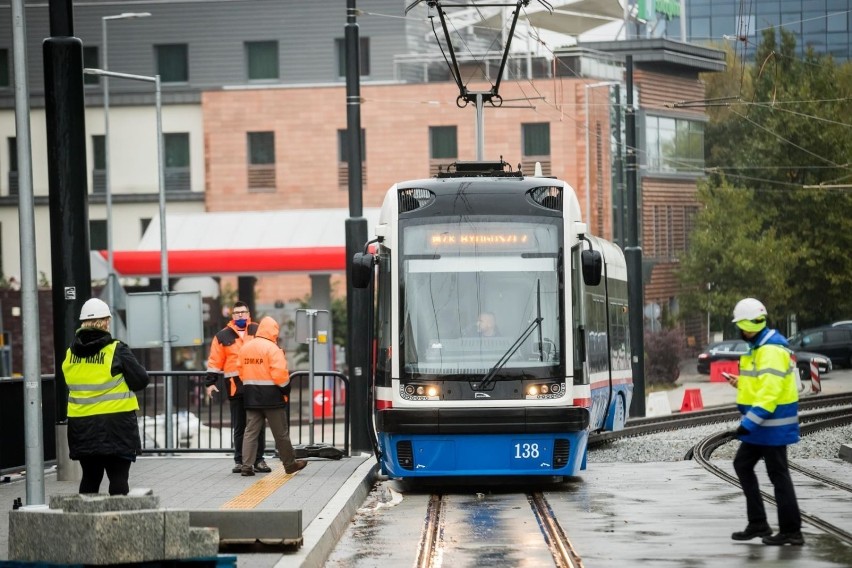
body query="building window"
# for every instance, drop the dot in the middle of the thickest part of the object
(443, 147)
(674, 145)
(363, 56)
(172, 62)
(90, 60)
(13, 166)
(99, 164)
(261, 162)
(97, 234)
(262, 60)
(343, 158)
(663, 232)
(536, 146)
(4, 68)
(176, 146)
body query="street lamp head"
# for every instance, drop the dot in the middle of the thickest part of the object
(127, 15)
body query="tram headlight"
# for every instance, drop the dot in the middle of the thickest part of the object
(543, 389)
(425, 390)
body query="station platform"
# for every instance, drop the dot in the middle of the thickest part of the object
(328, 492)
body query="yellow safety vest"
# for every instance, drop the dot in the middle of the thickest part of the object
(92, 389)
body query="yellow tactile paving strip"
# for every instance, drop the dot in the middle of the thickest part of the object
(259, 490)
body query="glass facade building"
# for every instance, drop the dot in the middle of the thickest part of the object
(823, 25)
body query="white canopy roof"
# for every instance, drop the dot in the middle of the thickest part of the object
(244, 230)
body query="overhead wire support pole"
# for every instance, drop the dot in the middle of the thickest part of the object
(357, 301)
(33, 433)
(633, 256)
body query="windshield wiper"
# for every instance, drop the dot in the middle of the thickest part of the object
(489, 377)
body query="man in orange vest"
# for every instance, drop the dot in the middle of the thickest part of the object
(224, 349)
(263, 369)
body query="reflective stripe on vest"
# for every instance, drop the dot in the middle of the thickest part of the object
(92, 387)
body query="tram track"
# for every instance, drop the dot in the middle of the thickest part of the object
(703, 451)
(433, 534)
(656, 424)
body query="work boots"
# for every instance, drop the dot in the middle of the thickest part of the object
(247, 471)
(780, 539)
(753, 530)
(261, 467)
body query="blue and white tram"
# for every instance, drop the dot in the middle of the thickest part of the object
(500, 334)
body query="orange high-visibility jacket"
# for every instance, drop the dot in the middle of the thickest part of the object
(224, 351)
(263, 368)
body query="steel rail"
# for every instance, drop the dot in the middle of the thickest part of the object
(431, 532)
(563, 552)
(704, 450)
(643, 426)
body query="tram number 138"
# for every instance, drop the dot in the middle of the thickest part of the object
(525, 451)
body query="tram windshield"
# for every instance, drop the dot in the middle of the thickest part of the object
(472, 287)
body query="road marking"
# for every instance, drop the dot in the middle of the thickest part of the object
(259, 490)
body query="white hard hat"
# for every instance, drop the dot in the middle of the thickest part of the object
(94, 309)
(749, 309)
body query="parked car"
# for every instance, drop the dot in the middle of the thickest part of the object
(834, 342)
(731, 349)
(728, 350)
(842, 323)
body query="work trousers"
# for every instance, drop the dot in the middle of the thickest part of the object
(789, 518)
(238, 423)
(117, 469)
(277, 419)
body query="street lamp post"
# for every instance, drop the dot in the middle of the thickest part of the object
(164, 251)
(107, 188)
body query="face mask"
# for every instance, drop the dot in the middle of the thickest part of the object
(241, 322)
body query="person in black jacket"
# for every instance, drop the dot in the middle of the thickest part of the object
(102, 374)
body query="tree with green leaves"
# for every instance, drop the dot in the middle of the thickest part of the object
(727, 255)
(776, 222)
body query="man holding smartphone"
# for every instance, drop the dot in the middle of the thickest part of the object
(768, 399)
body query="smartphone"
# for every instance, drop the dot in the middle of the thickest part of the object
(729, 376)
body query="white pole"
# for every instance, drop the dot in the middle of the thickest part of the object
(33, 435)
(107, 188)
(312, 314)
(164, 270)
(683, 21)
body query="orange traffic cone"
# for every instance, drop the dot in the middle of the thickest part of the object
(691, 400)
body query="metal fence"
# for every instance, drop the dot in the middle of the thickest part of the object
(318, 415)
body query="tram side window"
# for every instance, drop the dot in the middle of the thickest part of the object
(383, 318)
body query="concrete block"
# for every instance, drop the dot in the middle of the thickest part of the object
(104, 503)
(845, 452)
(96, 539)
(203, 542)
(284, 527)
(175, 532)
(658, 404)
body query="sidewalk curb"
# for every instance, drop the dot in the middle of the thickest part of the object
(321, 536)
